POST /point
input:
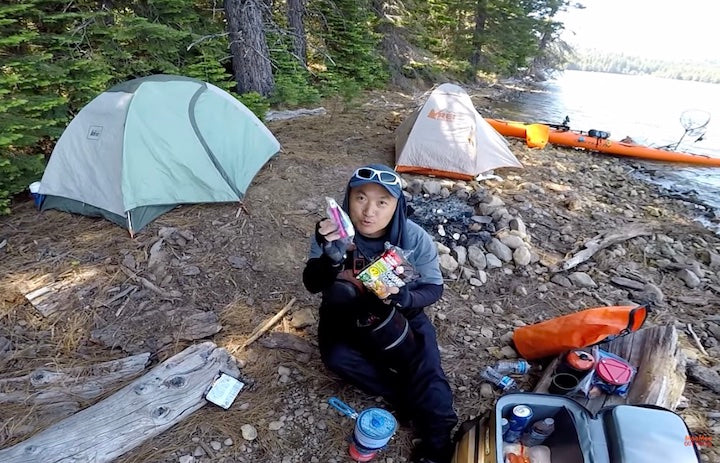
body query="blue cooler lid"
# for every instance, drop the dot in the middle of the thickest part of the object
(647, 435)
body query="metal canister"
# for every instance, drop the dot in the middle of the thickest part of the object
(580, 360)
(577, 362)
(518, 421)
(373, 429)
(504, 424)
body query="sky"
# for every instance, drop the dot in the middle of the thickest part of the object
(670, 29)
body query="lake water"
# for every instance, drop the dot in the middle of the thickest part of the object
(646, 108)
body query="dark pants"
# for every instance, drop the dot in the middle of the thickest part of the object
(418, 388)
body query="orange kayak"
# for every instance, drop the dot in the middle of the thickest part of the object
(578, 139)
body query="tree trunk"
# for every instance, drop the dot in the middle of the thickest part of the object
(547, 35)
(536, 69)
(251, 57)
(295, 14)
(478, 34)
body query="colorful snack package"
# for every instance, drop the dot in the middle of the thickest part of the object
(340, 218)
(390, 270)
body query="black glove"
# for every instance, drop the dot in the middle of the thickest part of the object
(335, 250)
(402, 299)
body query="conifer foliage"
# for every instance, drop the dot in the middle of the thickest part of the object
(56, 55)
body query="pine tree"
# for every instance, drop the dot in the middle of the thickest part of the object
(251, 57)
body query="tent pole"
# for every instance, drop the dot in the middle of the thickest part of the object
(130, 227)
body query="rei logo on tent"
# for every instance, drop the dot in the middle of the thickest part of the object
(442, 115)
(94, 132)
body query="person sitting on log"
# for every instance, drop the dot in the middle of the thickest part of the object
(386, 347)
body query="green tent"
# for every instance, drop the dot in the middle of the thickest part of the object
(144, 146)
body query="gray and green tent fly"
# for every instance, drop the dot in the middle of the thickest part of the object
(147, 145)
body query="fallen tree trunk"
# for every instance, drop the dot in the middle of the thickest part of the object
(166, 395)
(44, 386)
(292, 114)
(660, 378)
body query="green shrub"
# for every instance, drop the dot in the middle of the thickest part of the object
(256, 103)
(294, 90)
(16, 173)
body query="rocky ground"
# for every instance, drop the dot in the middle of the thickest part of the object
(216, 272)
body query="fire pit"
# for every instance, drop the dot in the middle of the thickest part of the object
(451, 220)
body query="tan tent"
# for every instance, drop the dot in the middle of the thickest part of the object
(448, 138)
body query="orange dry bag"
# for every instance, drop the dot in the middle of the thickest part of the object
(577, 330)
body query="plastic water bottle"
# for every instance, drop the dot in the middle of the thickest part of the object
(538, 432)
(508, 367)
(506, 383)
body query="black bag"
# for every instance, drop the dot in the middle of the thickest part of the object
(392, 339)
(377, 326)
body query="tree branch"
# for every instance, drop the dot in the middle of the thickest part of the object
(206, 37)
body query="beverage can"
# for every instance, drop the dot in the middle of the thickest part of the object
(518, 421)
(520, 417)
(504, 424)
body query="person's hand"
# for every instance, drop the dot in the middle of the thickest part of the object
(328, 237)
(399, 297)
(326, 231)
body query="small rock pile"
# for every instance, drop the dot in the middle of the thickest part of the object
(473, 230)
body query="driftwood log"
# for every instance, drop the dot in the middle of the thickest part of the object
(44, 386)
(51, 394)
(660, 376)
(166, 395)
(52, 297)
(153, 329)
(292, 114)
(602, 241)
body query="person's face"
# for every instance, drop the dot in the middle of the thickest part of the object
(371, 209)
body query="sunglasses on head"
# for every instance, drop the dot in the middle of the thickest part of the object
(385, 177)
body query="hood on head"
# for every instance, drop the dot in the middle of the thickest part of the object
(397, 225)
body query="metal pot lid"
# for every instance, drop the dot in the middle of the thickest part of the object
(376, 423)
(613, 371)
